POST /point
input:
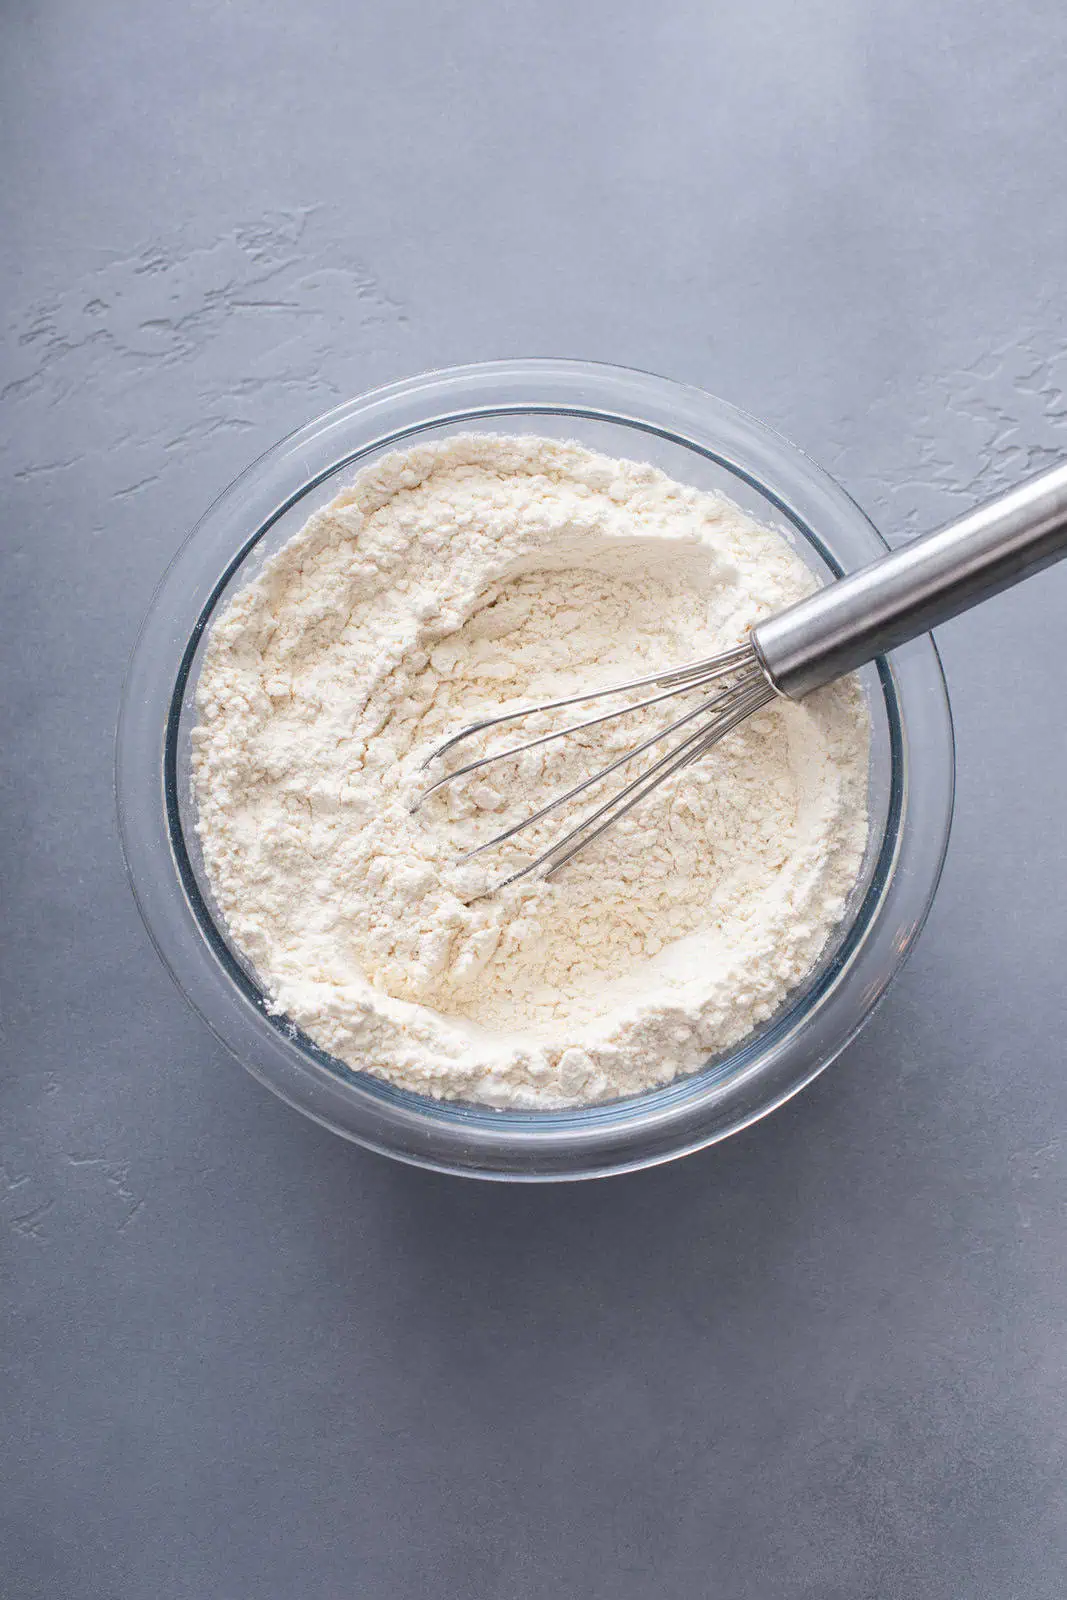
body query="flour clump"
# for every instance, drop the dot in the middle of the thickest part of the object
(448, 582)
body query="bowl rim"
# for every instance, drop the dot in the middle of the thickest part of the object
(754, 1078)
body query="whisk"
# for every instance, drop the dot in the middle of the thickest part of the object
(812, 643)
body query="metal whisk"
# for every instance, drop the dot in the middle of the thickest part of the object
(812, 643)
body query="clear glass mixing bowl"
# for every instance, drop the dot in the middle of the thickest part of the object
(696, 439)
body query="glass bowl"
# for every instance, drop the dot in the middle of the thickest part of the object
(694, 438)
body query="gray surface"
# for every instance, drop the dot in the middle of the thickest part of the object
(248, 1362)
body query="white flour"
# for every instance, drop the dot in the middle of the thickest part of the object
(446, 581)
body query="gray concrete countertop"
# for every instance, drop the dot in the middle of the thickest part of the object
(244, 1361)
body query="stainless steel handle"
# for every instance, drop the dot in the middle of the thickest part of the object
(916, 587)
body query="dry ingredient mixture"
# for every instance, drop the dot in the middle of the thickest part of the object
(448, 581)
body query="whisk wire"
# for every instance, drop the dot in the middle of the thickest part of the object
(676, 760)
(558, 733)
(677, 678)
(716, 715)
(717, 704)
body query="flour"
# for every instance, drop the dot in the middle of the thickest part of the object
(446, 583)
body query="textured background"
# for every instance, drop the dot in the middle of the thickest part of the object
(247, 1362)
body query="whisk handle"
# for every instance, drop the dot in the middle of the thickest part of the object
(915, 588)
